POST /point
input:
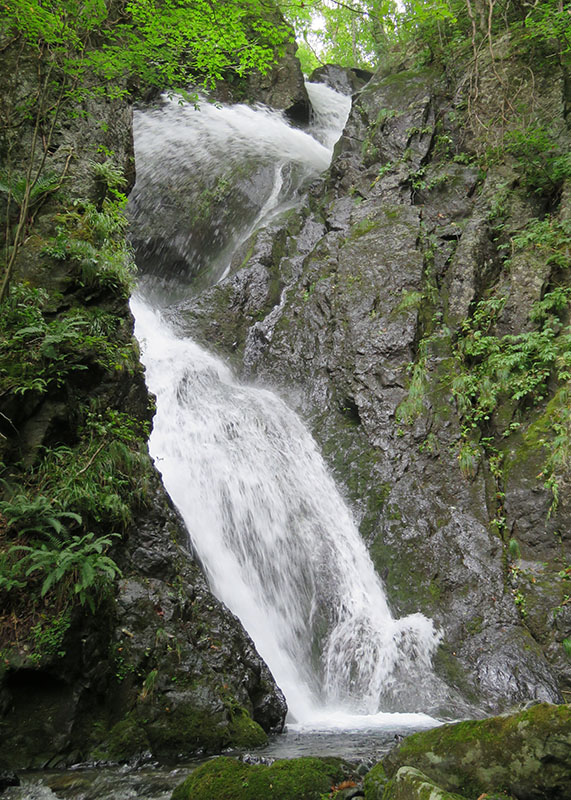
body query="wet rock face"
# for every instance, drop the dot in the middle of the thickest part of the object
(379, 274)
(283, 87)
(342, 79)
(193, 681)
(181, 213)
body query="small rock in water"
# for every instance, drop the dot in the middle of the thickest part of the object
(248, 758)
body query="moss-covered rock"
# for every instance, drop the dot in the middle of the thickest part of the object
(527, 754)
(127, 739)
(411, 784)
(296, 779)
(188, 727)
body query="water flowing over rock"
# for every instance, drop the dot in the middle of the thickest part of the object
(276, 540)
(278, 544)
(206, 178)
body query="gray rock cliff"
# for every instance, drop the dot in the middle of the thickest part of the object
(362, 310)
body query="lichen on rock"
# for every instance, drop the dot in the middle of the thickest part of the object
(526, 754)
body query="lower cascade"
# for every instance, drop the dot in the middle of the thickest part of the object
(277, 542)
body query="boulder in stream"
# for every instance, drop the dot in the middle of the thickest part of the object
(287, 779)
(527, 754)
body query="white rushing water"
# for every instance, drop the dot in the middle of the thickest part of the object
(208, 176)
(276, 539)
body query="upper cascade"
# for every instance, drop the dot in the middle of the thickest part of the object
(208, 175)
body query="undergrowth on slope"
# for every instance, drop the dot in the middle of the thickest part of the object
(70, 491)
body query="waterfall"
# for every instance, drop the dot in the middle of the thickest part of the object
(277, 542)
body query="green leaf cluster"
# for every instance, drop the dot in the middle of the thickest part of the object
(63, 506)
(97, 484)
(78, 565)
(93, 240)
(365, 33)
(355, 33)
(39, 353)
(163, 43)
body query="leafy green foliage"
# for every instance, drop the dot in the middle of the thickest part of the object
(413, 404)
(38, 354)
(110, 481)
(69, 564)
(14, 187)
(547, 22)
(362, 33)
(48, 636)
(103, 480)
(94, 240)
(60, 511)
(79, 565)
(514, 549)
(166, 44)
(469, 455)
(558, 444)
(543, 164)
(518, 366)
(552, 238)
(36, 515)
(353, 33)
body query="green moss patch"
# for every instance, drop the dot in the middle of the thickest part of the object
(126, 740)
(375, 782)
(189, 729)
(229, 779)
(529, 749)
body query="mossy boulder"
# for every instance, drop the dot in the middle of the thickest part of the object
(412, 784)
(187, 726)
(126, 739)
(296, 779)
(191, 728)
(527, 754)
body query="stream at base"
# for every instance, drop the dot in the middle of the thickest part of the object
(363, 748)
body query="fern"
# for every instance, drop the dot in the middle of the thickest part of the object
(80, 566)
(36, 515)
